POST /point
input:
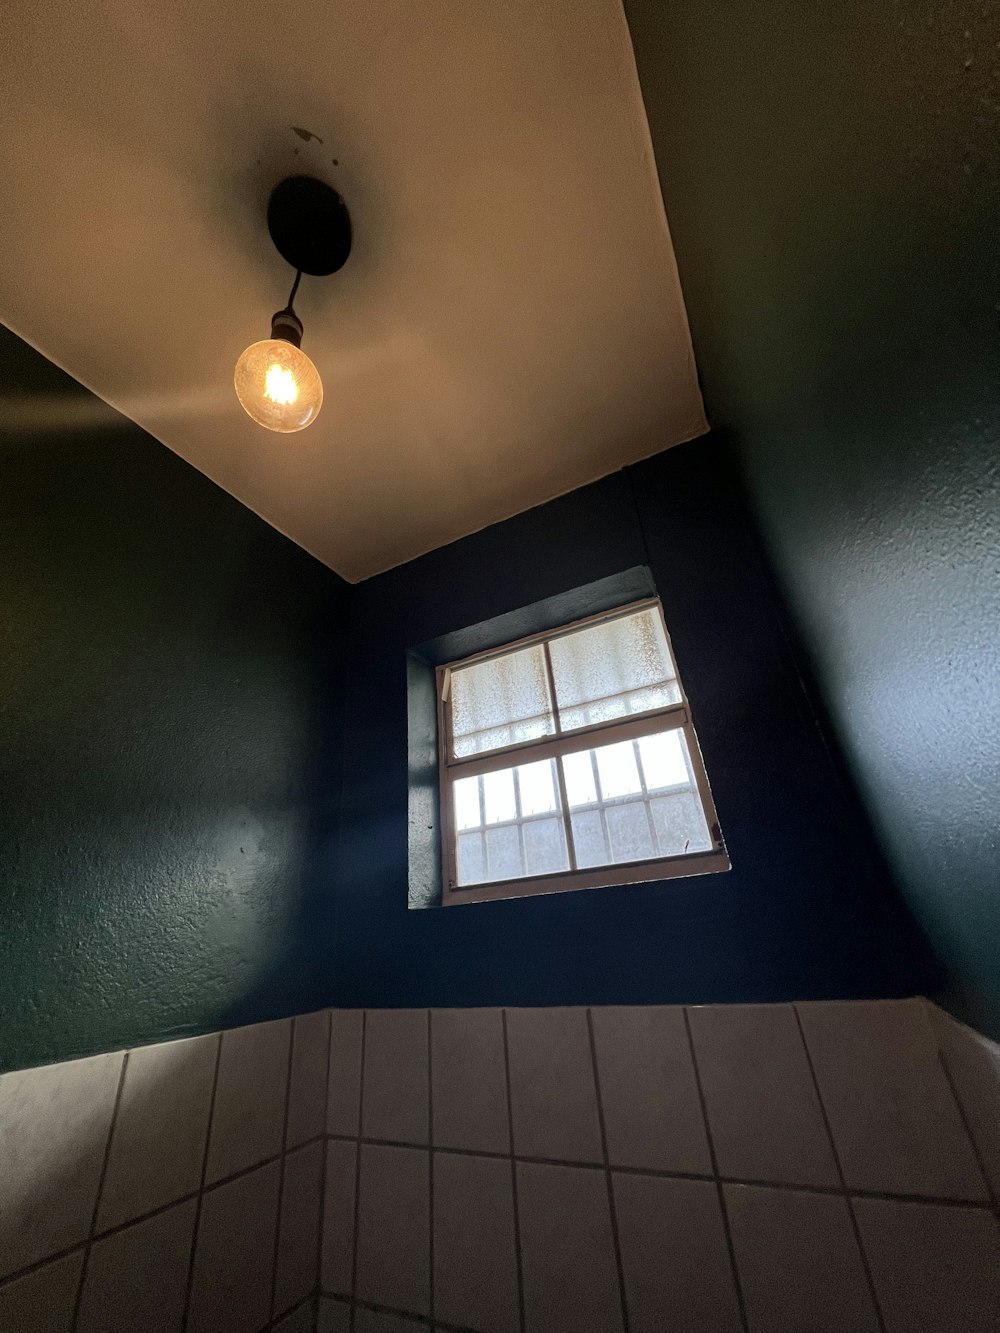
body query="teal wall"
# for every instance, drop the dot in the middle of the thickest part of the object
(170, 714)
(832, 179)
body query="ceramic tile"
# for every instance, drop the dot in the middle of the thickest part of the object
(934, 1267)
(137, 1278)
(973, 1062)
(231, 1292)
(652, 1112)
(307, 1090)
(43, 1301)
(248, 1122)
(298, 1232)
(378, 1321)
(158, 1146)
(799, 1262)
(567, 1250)
(553, 1099)
(333, 1316)
(338, 1223)
(675, 1259)
(469, 1080)
(394, 1228)
(345, 1071)
(894, 1119)
(475, 1265)
(54, 1125)
(761, 1101)
(299, 1321)
(395, 1103)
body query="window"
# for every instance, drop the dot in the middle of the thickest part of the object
(568, 761)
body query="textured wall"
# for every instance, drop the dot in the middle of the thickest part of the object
(805, 911)
(169, 744)
(832, 177)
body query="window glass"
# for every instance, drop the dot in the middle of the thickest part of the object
(509, 824)
(501, 701)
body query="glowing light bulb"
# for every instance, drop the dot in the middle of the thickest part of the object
(278, 386)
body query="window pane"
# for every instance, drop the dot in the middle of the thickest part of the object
(498, 796)
(500, 702)
(467, 803)
(625, 821)
(524, 833)
(613, 669)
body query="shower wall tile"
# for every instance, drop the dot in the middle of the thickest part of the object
(307, 1091)
(468, 1078)
(552, 1087)
(395, 1096)
(248, 1122)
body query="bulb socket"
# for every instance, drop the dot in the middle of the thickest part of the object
(286, 325)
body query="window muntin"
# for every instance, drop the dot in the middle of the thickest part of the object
(570, 759)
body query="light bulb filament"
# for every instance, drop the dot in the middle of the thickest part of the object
(280, 386)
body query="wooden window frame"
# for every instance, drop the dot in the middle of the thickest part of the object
(632, 727)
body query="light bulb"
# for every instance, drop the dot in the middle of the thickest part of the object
(278, 385)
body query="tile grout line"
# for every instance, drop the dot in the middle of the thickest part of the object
(513, 1175)
(357, 1169)
(980, 1161)
(430, 1171)
(200, 1197)
(738, 1285)
(88, 1246)
(324, 1157)
(418, 1320)
(281, 1165)
(609, 1183)
(840, 1173)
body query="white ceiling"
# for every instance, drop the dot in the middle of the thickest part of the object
(509, 326)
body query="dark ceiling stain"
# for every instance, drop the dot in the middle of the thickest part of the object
(305, 135)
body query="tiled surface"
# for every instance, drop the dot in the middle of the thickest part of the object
(799, 1262)
(248, 1122)
(54, 1126)
(676, 1263)
(469, 1080)
(393, 1259)
(298, 1236)
(567, 1251)
(652, 1113)
(760, 1098)
(158, 1146)
(935, 1267)
(475, 1262)
(553, 1096)
(609, 1215)
(395, 1098)
(307, 1091)
(234, 1255)
(137, 1278)
(895, 1122)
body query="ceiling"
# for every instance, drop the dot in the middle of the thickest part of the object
(509, 325)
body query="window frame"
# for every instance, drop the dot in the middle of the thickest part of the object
(631, 727)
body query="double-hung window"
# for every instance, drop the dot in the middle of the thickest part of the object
(568, 760)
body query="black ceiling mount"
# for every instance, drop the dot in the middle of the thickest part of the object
(309, 225)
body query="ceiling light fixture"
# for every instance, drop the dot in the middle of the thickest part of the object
(276, 383)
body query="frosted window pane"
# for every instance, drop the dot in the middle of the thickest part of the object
(618, 770)
(588, 839)
(613, 670)
(680, 824)
(503, 853)
(663, 763)
(537, 788)
(630, 832)
(467, 803)
(578, 774)
(498, 796)
(545, 846)
(471, 858)
(500, 702)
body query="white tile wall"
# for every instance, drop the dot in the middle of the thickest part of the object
(656, 1181)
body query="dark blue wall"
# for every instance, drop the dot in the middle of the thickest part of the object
(832, 178)
(806, 910)
(170, 711)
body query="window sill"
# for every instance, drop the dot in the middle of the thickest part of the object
(599, 877)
